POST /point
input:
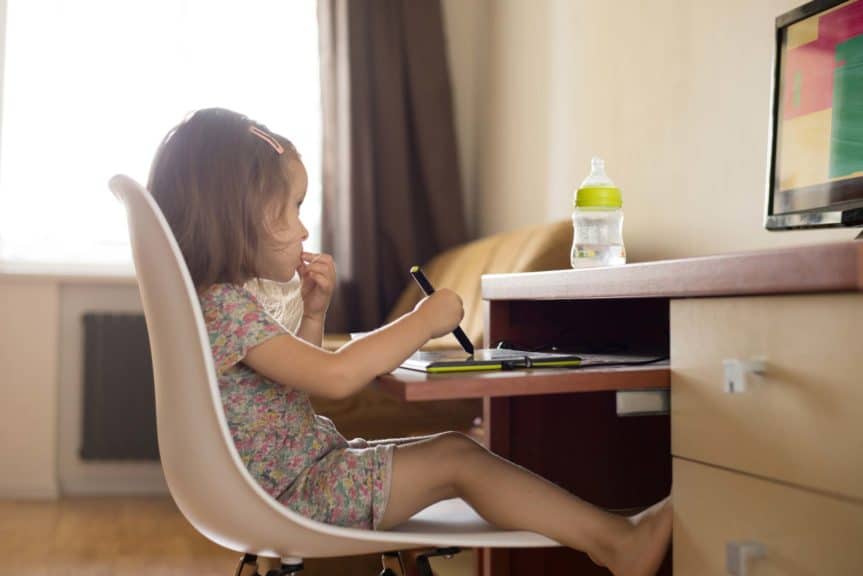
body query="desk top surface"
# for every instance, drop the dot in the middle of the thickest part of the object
(834, 267)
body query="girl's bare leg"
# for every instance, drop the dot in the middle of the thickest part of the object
(452, 465)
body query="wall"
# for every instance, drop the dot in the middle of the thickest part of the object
(29, 311)
(499, 73)
(41, 344)
(674, 94)
(466, 32)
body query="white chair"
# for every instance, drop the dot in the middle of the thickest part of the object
(205, 476)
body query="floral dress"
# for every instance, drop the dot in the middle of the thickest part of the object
(297, 456)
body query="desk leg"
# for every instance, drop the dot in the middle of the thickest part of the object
(578, 442)
(495, 418)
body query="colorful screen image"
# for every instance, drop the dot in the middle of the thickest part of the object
(818, 143)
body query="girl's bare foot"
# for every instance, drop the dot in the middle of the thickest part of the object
(641, 551)
(636, 518)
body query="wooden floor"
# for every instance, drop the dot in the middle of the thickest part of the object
(120, 536)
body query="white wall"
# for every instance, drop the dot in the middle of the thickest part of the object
(674, 94)
(41, 388)
(29, 311)
(466, 31)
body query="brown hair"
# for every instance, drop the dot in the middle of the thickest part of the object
(217, 183)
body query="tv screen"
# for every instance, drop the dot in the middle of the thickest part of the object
(816, 167)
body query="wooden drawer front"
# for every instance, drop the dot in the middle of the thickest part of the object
(802, 533)
(802, 421)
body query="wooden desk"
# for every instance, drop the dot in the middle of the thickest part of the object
(563, 424)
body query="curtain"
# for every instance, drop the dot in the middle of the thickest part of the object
(391, 184)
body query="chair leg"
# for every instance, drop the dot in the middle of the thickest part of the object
(248, 566)
(291, 565)
(422, 561)
(278, 567)
(286, 569)
(392, 564)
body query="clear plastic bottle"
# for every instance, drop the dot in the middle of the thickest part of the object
(597, 221)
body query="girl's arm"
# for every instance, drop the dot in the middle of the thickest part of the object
(363, 443)
(400, 441)
(292, 362)
(311, 330)
(318, 278)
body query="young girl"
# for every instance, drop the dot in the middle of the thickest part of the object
(231, 191)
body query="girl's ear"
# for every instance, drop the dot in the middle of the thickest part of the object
(269, 229)
(273, 213)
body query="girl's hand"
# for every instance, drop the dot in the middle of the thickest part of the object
(318, 275)
(443, 311)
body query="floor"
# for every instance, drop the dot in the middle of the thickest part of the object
(120, 536)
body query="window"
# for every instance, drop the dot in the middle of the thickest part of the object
(91, 87)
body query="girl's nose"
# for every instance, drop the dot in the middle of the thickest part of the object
(305, 232)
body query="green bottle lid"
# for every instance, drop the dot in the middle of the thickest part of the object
(597, 190)
(599, 197)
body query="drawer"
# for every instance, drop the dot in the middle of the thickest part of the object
(802, 420)
(801, 533)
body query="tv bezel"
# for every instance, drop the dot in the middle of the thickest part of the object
(848, 214)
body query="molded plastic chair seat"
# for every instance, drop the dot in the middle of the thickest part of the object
(205, 475)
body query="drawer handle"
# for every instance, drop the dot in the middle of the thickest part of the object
(736, 373)
(642, 402)
(738, 554)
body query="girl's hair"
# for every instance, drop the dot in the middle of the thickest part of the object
(220, 179)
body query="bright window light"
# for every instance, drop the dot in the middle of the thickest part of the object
(91, 87)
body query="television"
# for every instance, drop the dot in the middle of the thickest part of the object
(816, 133)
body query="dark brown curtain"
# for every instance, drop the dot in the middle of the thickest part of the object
(392, 190)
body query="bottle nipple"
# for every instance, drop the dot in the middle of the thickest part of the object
(597, 178)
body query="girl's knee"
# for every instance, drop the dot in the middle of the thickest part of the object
(460, 456)
(457, 444)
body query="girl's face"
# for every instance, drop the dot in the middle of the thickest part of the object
(281, 251)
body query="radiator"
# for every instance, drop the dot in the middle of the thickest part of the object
(119, 412)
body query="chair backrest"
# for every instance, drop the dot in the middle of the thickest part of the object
(205, 475)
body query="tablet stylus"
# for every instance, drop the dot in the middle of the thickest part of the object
(428, 290)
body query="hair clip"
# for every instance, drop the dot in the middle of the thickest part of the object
(267, 138)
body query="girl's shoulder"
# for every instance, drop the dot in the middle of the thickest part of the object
(226, 292)
(236, 322)
(228, 298)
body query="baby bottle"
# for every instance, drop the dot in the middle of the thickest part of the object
(597, 221)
